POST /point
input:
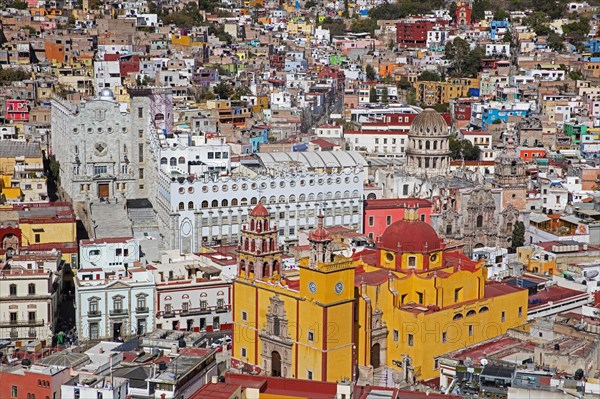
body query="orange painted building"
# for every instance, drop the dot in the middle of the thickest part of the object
(528, 154)
(39, 382)
(54, 52)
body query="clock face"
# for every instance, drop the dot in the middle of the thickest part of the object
(339, 288)
(312, 287)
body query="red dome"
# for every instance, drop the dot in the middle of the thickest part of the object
(259, 210)
(410, 236)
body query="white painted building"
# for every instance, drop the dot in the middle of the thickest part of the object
(8, 133)
(293, 186)
(114, 304)
(107, 75)
(330, 132)
(554, 196)
(195, 154)
(380, 143)
(482, 139)
(190, 295)
(118, 253)
(436, 39)
(497, 49)
(546, 74)
(28, 303)
(95, 386)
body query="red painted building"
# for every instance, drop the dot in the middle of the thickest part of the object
(391, 122)
(381, 213)
(17, 110)
(37, 381)
(413, 33)
(333, 73)
(462, 110)
(127, 63)
(463, 14)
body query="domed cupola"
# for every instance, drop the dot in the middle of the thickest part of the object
(428, 151)
(410, 244)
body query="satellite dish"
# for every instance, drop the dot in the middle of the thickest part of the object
(484, 362)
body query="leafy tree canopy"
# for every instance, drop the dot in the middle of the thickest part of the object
(430, 76)
(364, 25)
(9, 75)
(187, 18)
(465, 61)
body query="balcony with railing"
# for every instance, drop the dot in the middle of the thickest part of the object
(94, 313)
(141, 309)
(194, 311)
(118, 312)
(21, 323)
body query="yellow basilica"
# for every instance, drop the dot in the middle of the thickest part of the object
(398, 306)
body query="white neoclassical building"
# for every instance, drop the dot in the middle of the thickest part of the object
(294, 187)
(28, 303)
(114, 304)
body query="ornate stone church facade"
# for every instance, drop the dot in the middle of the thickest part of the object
(466, 207)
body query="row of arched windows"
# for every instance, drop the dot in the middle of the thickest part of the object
(272, 200)
(172, 161)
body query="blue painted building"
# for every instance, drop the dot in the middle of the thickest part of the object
(260, 135)
(492, 114)
(593, 45)
(496, 26)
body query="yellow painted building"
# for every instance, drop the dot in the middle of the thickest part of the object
(536, 260)
(396, 307)
(431, 92)
(299, 27)
(300, 332)
(39, 227)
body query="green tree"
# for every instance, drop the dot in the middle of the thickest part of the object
(479, 9)
(207, 5)
(370, 71)
(455, 147)
(223, 90)
(463, 149)
(518, 235)
(336, 27)
(9, 75)
(501, 15)
(372, 95)
(18, 4)
(218, 30)
(364, 25)
(576, 32)
(385, 96)
(452, 10)
(187, 18)
(555, 41)
(465, 62)
(429, 76)
(241, 91)
(507, 38)
(575, 75)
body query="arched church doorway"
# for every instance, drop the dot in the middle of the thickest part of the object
(275, 364)
(375, 356)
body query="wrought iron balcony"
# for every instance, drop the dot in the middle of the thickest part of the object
(142, 309)
(94, 313)
(22, 323)
(118, 312)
